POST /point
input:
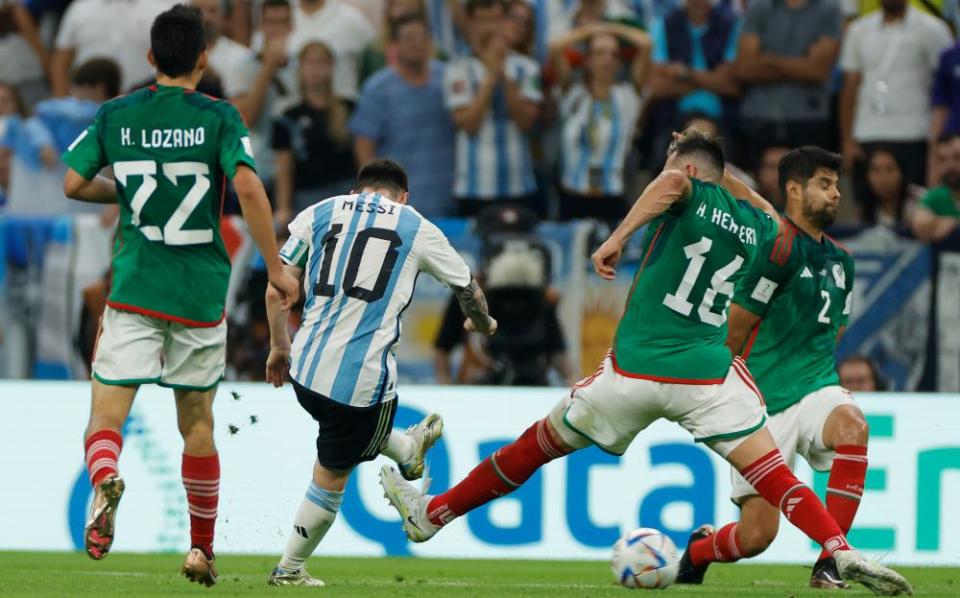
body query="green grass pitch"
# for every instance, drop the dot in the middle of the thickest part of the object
(141, 575)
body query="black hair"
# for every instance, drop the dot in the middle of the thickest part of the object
(800, 164)
(177, 38)
(408, 19)
(98, 71)
(706, 146)
(871, 202)
(473, 6)
(275, 4)
(384, 174)
(947, 137)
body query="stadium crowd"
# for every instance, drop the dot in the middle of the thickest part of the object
(559, 108)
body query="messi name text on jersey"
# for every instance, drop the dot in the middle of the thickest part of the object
(370, 207)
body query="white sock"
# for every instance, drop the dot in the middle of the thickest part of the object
(399, 446)
(317, 513)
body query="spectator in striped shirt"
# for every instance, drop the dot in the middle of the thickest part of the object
(598, 116)
(494, 96)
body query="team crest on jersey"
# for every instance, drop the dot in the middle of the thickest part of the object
(839, 276)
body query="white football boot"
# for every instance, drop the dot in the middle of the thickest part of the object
(424, 435)
(299, 577)
(410, 503)
(881, 580)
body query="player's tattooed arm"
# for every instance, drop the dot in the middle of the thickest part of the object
(473, 303)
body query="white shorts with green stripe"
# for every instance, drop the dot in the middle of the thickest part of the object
(611, 407)
(798, 430)
(135, 349)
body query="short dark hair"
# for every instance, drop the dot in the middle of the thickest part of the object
(800, 164)
(409, 19)
(98, 71)
(473, 6)
(701, 144)
(384, 174)
(177, 39)
(275, 4)
(947, 137)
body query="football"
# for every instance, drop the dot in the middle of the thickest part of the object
(646, 559)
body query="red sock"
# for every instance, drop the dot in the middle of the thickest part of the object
(102, 451)
(201, 480)
(721, 547)
(500, 473)
(772, 480)
(845, 486)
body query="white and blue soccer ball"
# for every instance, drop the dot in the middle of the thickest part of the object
(646, 559)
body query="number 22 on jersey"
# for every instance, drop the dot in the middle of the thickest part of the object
(679, 301)
(173, 232)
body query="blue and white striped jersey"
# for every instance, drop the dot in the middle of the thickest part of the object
(596, 137)
(361, 255)
(495, 162)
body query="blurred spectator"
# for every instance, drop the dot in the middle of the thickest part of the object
(598, 117)
(235, 64)
(382, 52)
(859, 374)
(311, 140)
(494, 95)
(891, 199)
(693, 52)
(401, 116)
(785, 60)
(945, 117)
(11, 105)
(888, 60)
(23, 57)
(767, 175)
(343, 29)
(274, 87)
(946, 10)
(101, 28)
(939, 211)
(520, 26)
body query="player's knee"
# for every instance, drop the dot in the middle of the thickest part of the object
(197, 436)
(852, 427)
(755, 539)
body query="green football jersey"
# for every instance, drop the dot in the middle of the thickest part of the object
(170, 150)
(675, 323)
(803, 290)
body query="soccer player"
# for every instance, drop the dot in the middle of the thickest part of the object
(800, 286)
(360, 255)
(669, 360)
(170, 149)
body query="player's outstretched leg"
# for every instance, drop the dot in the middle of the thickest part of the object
(761, 464)
(756, 530)
(409, 449)
(846, 432)
(109, 409)
(499, 474)
(316, 514)
(200, 471)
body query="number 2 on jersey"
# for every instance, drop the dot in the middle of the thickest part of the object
(719, 284)
(325, 288)
(173, 232)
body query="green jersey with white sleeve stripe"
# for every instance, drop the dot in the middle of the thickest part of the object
(675, 323)
(170, 150)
